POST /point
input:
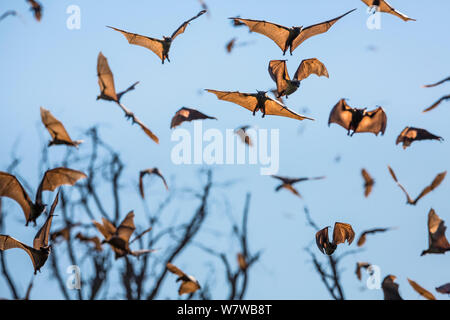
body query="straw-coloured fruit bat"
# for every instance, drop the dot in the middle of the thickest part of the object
(242, 262)
(63, 233)
(285, 86)
(258, 101)
(40, 250)
(437, 103)
(188, 283)
(288, 38)
(95, 240)
(384, 6)
(359, 266)
(390, 288)
(437, 241)
(108, 93)
(411, 134)
(444, 289)
(10, 187)
(422, 291)
(434, 184)
(242, 133)
(368, 182)
(362, 237)
(358, 120)
(437, 83)
(36, 7)
(287, 183)
(230, 45)
(57, 131)
(151, 171)
(159, 47)
(186, 114)
(342, 232)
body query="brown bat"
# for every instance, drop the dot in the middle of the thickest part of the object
(41, 249)
(95, 240)
(188, 283)
(437, 83)
(437, 103)
(243, 265)
(10, 187)
(288, 38)
(384, 6)
(233, 44)
(362, 237)
(151, 171)
(437, 241)
(434, 184)
(242, 133)
(359, 266)
(57, 131)
(444, 289)
(258, 101)
(420, 290)
(36, 7)
(390, 288)
(159, 47)
(368, 182)
(341, 233)
(411, 134)
(358, 120)
(285, 86)
(186, 114)
(63, 233)
(108, 93)
(287, 183)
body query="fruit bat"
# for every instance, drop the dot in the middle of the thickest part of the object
(288, 38)
(236, 23)
(186, 114)
(368, 182)
(95, 240)
(36, 7)
(159, 47)
(242, 133)
(437, 242)
(108, 93)
(8, 13)
(258, 101)
(233, 44)
(63, 233)
(57, 131)
(420, 290)
(10, 187)
(434, 184)
(358, 120)
(41, 249)
(390, 288)
(287, 183)
(285, 86)
(411, 134)
(243, 265)
(359, 266)
(444, 289)
(362, 237)
(437, 83)
(437, 103)
(143, 173)
(188, 283)
(384, 6)
(341, 233)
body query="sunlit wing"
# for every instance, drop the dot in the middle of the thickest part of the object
(278, 72)
(127, 227)
(310, 66)
(7, 242)
(341, 114)
(182, 28)
(10, 187)
(105, 77)
(56, 177)
(343, 232)
(436, 182)
(386, 7)
(275, 108)
(246, 100)
(42, 236)
(54, 126)
(373, 121)
(420, 290)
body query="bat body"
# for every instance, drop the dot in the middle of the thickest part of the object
(287, 38)
(259, 101)
(358, 120)
(444, 289)
(420, 290)
(36, 7)
(390, 288)
(151, 171)
(160, 47)
(287, 183)
(384, 6)
(187, 114)
(242, 133)
(57, 131)
(411, 134)
(437, 241)
(362, 238)
(368, 182)
(342, 232)
(188, 283)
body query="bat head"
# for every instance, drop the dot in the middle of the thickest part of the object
(261, 93)
(295, 83)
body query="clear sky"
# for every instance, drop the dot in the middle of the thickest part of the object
(46, 64)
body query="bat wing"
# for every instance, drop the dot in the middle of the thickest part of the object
(314, 30)
(437, 103)
(188, 287)
(275, 108)
(10, 187)
(386, 7)
(362, 239)
(150, 171)
(341, 114)
(42, 236)
(368, 182)
(436, 182)
(359, 266)
(246, 100)
(408, 198)
(322, 239)
(444, 289)
(230, 44)
(310, 66)
(54, 127)
(437, 83)
(343, 232)
(104, 229)
(279, 74)
(172, 268)
(130, 88)
(187, 114)
(126, 227)
(54, 178)
(181, 28)
(36, 7)
(390, 288)
(420, 290)
(105, 78)
(374, 121)
(436, 231)
(7, 242)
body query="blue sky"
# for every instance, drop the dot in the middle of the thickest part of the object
(46, 64)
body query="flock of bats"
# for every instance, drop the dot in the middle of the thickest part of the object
(354, 120)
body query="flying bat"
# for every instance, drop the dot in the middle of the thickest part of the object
(159, 47)
(242, 133)
(390, 288)
(437, 241)
(10, 187)
(288, 38)
(359, 266)
(434, 184)
(362, 237)
(384, 6)
(437, 83)
(36, 7)
(258, 101)
(444, 289)
(437, 103)
(186, 114)
(368, 182)
(188, 283)
(57, 131)
(63, 233)
(41, 249)
(95, 240)
(342, 232)
(285, 86)
(420, 290)
(233, 44)
(411, 134)
(287, 183)
(358, 120)
(243, 265)
(8, 13)
(151, 171)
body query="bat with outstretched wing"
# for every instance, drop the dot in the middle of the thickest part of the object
(188, 283)
(95, 240)
(187, 114)
(57, 131)
(411, 134)
(362, 238)
(342, 232)
(437, 83)
(151, 171)
(368, 182)
(287, 183)
(384, 6)
(390, 288)
(422, 291)
(437, 241)
(437, 103)
(36, 7)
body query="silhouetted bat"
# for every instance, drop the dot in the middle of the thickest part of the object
(284, 37)
(108, 93)
(154, 171)
(285, 86)
(242, 133)
(358, 120)
(444, 289)
(186, 114)
(368, 182)
(188, 283)
(362, 237)
(159, 47)
(384, 6)
(10, 187)
(437, 83)
(437, 103)
(390, 288)
(258, 101)
(436, 182)
(36, 7)
(57, 131)
(40, 250)
(341, 233)
(95, 240)
(359, 266)
(411, 134)
(437, 241)
(287, 183)
(420, 290)
(8, 13)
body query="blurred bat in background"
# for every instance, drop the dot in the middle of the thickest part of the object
(437, 241)
(411, 134)
(287, 183)
(95, 240)
(384, 6)
(242, 133)
(143, 173)
(57, 131)
(12, 13)
(390, 288)
(362, 237)
(359, 266)
(36, 7)
(233, 44)
(188, 283)
(368, 182)
(420, 290)
(444, 289)
(186, 114)
(342, 232)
